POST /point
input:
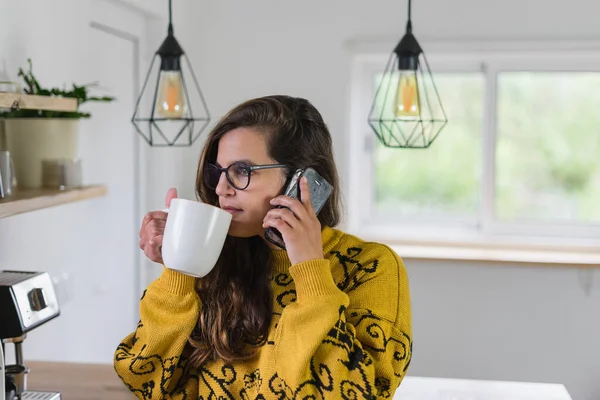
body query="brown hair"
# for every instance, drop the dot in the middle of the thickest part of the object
(236, 295)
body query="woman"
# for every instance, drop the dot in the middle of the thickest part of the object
(329, 317)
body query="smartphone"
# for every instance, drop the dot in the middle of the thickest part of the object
(320, 190)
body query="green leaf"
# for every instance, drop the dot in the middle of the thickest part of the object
(32, 86)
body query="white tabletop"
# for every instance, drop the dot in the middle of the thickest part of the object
(421, 388)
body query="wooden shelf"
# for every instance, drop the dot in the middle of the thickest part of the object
(25, 200)
(33, 102)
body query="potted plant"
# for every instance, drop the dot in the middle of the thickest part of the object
(36, 135)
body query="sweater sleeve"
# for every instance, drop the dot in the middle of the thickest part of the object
(150, 360)
(351, 343)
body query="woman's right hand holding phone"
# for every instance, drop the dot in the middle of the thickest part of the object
(153, 229)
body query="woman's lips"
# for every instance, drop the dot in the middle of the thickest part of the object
(232, 210)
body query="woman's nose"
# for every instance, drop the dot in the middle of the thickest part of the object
(223, 187)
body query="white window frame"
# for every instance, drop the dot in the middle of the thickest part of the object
(491, 58)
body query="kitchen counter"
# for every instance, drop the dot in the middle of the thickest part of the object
(77, 381)
(100, 382)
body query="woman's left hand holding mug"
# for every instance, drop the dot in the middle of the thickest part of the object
(153, 229)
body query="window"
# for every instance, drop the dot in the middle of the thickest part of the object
(548, 147)
(519, 158)
(434, 183)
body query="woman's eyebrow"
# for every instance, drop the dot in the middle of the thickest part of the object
(244, 161)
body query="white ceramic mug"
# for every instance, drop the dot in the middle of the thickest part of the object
(194, 236)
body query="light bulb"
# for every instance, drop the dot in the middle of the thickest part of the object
(407, 96)
(170, 101)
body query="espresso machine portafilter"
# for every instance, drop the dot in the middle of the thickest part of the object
(27, 300)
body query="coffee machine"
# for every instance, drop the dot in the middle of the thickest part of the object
(27, 300)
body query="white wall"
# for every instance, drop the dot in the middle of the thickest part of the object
(471, 320)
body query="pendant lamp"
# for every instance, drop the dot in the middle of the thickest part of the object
(170, 110)
(407, 111)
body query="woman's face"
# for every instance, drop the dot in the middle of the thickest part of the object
(249, 206)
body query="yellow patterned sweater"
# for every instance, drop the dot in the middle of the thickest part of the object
(341, 329)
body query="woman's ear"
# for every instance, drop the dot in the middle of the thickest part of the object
(283, 177)
(283, 184)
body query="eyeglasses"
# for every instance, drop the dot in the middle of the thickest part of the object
(238, 174)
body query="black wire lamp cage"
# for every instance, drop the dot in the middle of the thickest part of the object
(171, 110)
(407, 111)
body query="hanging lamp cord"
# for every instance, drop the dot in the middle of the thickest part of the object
(409, 23)
(171, 17)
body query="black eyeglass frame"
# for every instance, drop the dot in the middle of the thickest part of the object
(249, 168)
